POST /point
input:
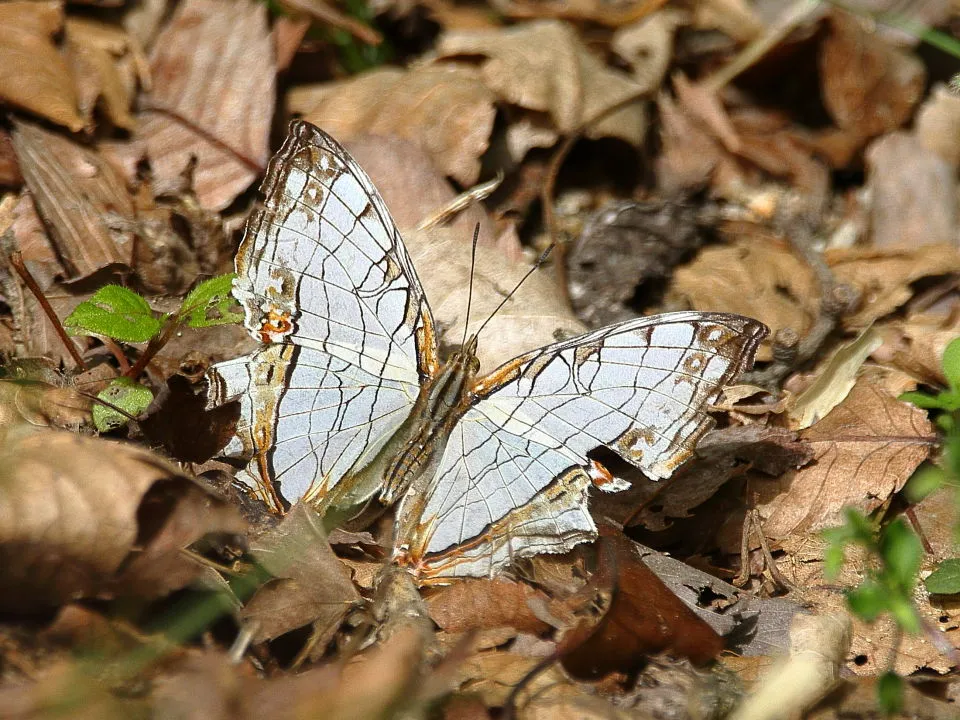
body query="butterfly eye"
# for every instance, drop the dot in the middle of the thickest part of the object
(474, 364)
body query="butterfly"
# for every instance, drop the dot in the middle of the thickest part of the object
(347, 400)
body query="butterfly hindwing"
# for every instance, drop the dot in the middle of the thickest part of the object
(327, 285)
(514, 472)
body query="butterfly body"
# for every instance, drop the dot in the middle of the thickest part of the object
(347, 400)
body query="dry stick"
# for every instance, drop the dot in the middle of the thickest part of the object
(117, 353)
(553, 170)
(16, 262)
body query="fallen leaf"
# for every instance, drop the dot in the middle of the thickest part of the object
(937, 125)
(41, 404)
(543, 66)
(868, 86)
(105, 69)
(212, 97)
(488, 603)
(644, 618)
(884, 275)
(493, 675)
(916, 345)
(9, 169)
(310, 584)
(444, 107)
(783, 292)
(69, 515)
(866, 449)
(647, 45)
(834, 381)
(80, 197)
(33, 75)
(911, 198)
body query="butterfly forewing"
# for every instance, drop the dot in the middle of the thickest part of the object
(326, 283)
(513, 476)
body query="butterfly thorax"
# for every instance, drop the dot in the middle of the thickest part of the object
(442, 401)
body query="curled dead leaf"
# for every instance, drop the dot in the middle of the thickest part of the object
(70, 517)
(444, 107)
(33, 75)
(488, 603)
(543, 66)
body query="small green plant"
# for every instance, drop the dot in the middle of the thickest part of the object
(887, 589)
(120, 314)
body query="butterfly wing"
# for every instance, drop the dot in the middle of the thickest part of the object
(513, 478)
(327, 285)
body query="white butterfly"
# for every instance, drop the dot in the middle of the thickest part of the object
(348, 399)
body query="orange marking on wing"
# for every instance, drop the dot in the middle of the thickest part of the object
(275, 324)
(499, 377)
(599, 474)
(427, 345)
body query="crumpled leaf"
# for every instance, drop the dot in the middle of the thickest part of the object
(33, 75)
(544, 67)
(212, 97)
(310, 583)
(81, 197)
(884, 275)
(937, 124)
(444, 107)
(866, 450)
(210, 303)
(72, 511)
(868, 86)
(783, 291)
(103, 62)
(644, 618)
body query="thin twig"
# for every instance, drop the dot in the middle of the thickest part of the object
(117, 353)
(16, 262)
(153, 347)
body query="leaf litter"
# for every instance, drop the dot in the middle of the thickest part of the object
(685, 176)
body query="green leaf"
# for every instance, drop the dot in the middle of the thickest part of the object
(923, 400)
(905, 614)
(117, 313)
(902, 554)
(951, 364)
(890, 693)
(126, 395)
(210, 303)
(868, 601)
(926, 480)
(945, 580)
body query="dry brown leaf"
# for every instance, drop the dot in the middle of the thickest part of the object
(105, 67)
(493, 675)
(689, 154)
(647, 45)
(912, 197)
(543, 66)
(869, 86)
(444, 107)
(9, 169)
(866, 449)
(782, 289)
(937, 126)
(884, 275)
(40, 404)
(476, 604)
(734, 18)
(916, 345)
(69, 513)
(33, 75)
(82, 199)
(310, 584)
(213, 97)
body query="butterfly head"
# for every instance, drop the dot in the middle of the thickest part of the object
(466, 358)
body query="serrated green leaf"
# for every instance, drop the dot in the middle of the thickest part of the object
(923, 400)
(951, 364)
(890, 693)
(902, 554)
(210, 303)
(945, 580)
(926, 480)
(126, 395)
(868, 601)
(117, 313)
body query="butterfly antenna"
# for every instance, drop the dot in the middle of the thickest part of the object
(536, 266)
(473, 264)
